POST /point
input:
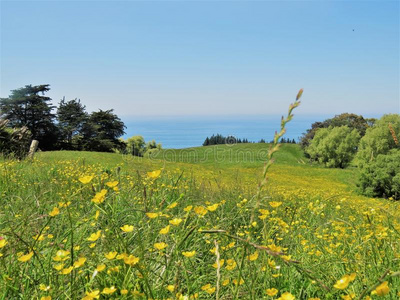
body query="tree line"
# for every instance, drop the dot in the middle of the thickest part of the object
(67, 126)
(219, 139)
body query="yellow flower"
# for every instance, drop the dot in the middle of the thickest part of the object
(44, 288)
(59, 267)
(92, 245)
(175, 221)
(61, 255)
(253, 256)
(200, 210)
(154, 174)
(86, 179)
(170, 288)
(189, 253)
(230, 264)
(3, 242)
(275, 204)
(212, 207)
(100, 268)
(131, 260)
(172, 205)
(188, 208)
(320, 299)
(109, 291)
(94, 236)
(111, 255)
(127, 228)
(26, 257)
(99, 197)
(54, 212)
(152, 215)
(92, 295)
(160, 246)
(381, 290)
(271, 292)
(79, 262)
(207, 288)
(286, 296)
(225, 282)
(124, 292)
(66, 271)
(38, 237)
(165, 230)
(112, 184)
(348, 297)
(344, 281)
(221, 263)
(45, 298)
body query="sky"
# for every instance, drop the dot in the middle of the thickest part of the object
(198, 58)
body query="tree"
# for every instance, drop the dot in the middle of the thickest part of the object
(381, 177)
(26, 107)
(71, 116)
(136, 145)
(102, 130)
(14, 142)
(353, 121)
(378, 139)
(334, 146)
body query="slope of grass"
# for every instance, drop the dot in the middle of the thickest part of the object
(63, 233)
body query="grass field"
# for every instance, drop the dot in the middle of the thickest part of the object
(184, 225)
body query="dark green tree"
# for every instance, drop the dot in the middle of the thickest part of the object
(29, 107)
(102, 130)
(353, 121)
(71, 116)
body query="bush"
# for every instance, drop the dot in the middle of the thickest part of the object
(14, 142)
(334, 147)
(381, 177)
(378, 139)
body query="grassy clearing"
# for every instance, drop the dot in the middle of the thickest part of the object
(61, 219)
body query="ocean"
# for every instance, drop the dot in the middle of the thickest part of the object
(191, 131)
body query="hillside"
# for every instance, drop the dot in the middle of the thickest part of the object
(89, 225)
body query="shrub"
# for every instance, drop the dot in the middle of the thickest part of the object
(14, 142)
(334, 147)
(381, 177)
(378, 139)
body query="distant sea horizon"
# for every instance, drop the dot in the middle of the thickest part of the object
(191, 131)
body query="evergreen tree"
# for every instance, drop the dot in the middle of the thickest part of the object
(29, 107)
(71, 116)
(102, 130)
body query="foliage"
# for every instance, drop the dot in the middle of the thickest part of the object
(353, 121)
(381, 176)
(14, 142)
(26, 107)
(334, 147)
(137, 146)
(378, 139)
(102, 130)
(71, 117)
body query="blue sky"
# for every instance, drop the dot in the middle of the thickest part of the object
(206, 58)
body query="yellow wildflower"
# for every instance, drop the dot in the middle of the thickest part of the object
(99, 197)
(165, 230)
(66, 271)
(92, 295)
(111, 255)
(160, 246)
(253, 256)
(175, 221)
(154, 174)
(152, 215)
(344, 282)
(131, 260)
(86, 179)
(127, 228)
(381, 290)
(112, 184)
(275, 204)
(54, 212)
(26, 257)
(79, 262)
(100, 268)
(189, 253)
(286, 296)
(271, 292)
(94, 236)
(3, 242)
(212, 207)
(109, 291)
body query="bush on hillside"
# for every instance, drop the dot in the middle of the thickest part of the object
(352, 120)
(334, 147)
(137, 146)
(14, 142)
(378, 139)
(381, 177)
